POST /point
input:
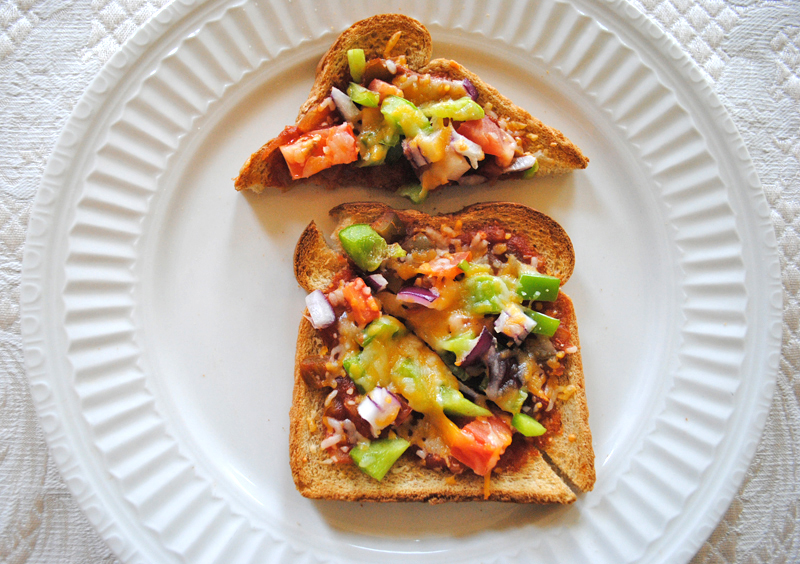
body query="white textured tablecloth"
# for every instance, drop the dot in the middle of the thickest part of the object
(51, 50)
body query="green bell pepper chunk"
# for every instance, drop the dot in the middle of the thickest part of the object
(512, 402)
(378, 145)
(463, 109)
(545, 325)
(365, 367)
(363, 96)
(353, 364)
(383, 327)
(531, 172)
(460, 345)
(414, 192)
(357, 63)
(405, 115)
(375, 458)
(485, 294)
(527, 425)
(454, 403)
(366, 247)
(535, 286)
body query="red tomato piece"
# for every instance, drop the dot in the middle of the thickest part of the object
(445, 266)
(492, 139)
(384, 89)
(486, 440)
(364, 306)
(320, 149)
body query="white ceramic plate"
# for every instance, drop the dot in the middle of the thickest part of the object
(160, 307)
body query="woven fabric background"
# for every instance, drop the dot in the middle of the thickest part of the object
(51, 50)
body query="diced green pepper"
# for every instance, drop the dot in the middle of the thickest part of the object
(414, 192)
(364, 245)
(512, 401)
(383, 327)
(357, 63)
(376, 144)
(535, 286)
(485, 294)
(454, 403)
(405, 115)
(531, 172)
(460, 345)
(375, 458)
(464, 266)
(367, 368)
(362, 96)
(416, 384)
(354, 366)
(395, 251)
(545, 325)
(463, 109)
(527, 425)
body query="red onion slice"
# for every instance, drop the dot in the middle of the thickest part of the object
(481, 346)
(379, 408)
(471, 90)
(513, 323)
(345, 105)
(320, 310)
(377, 282)
(414, 155)
(521, 163)
(417, 295)
(467, 148)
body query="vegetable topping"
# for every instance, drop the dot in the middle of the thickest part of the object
(389, 111)
(444, 343)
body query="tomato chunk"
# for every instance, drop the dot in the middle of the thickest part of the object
(445, 266)
(486, 440)
(492, 139)
(362, 303)
(384, 89)
(320, 149)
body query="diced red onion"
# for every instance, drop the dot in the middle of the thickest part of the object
(379, 408)
(521, 163)
(467, 148)
(481, 346)
(320, 310)
(376, 281)
(452, 167)
(471, 90)
(513, 323)
(417, 295)
(414, 155)
(345, 105)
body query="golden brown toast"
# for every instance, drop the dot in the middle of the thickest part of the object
(568, 446)
(404, 39)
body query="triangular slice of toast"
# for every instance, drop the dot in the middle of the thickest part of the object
(401, 44)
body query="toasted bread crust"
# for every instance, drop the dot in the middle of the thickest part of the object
(267, 168)
(547, 236)
(570, 449)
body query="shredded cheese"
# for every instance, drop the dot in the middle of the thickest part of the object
(391, 43)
